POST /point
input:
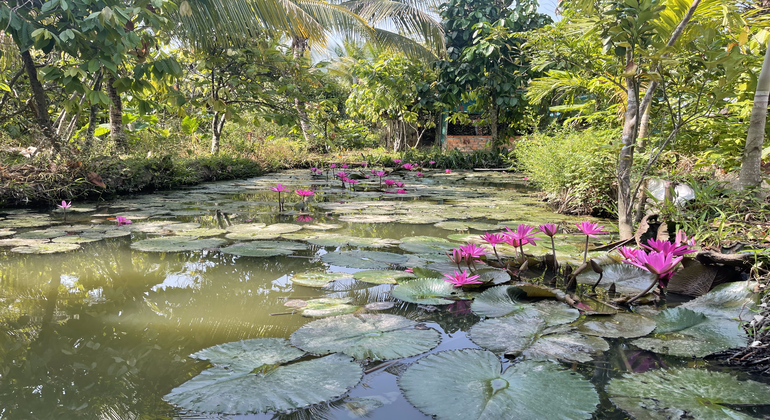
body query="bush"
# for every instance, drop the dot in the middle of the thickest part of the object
(574, 168)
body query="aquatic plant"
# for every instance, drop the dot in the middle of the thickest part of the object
(471, 252)
(408, 166)
(494, 239)
(461, 279)
(550, 229)
(64, 206)
(590, 230)
(402, 191)
(523, 235)
(448, 171)
(419, 174)
(122, 221)
(397, 161)
(279, 189)
(389, 182)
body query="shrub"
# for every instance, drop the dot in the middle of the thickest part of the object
(574, 168)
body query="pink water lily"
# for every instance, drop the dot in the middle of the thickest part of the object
(333, 165)
(364, 164)
(396, 160)
(389, 182)
(681, 238)
(494, 239)
(660, 263)
(278, 188)
(432, 162)
(448, 171)
(400, 191)
(667, 247)
(461, 279)
(304, 219)
(549, 229)
(418, 174)
(340, 174)
(304, 193)
(590, 230)
(408, 166)
(456, 256)
(399, 184)
(523, 235)
(64, 205)
(122, 221)
(471, 252)
(344, 166)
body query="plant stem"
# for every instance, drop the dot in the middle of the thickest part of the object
(553, 249)
(585, 251)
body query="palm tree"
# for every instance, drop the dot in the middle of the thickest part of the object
(308, 23)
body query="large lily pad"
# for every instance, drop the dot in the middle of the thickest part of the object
(628, 279)
(42, 234)
(683, 332)
(220, 390)
(318, 279)
(368, 218)
(247, 355)
(505, 300)
(470, 384)
(6, 232)
(176, 244)
(426, 245)
(363, 259)
(531, 338)
(264, 248)
(342, 240)
(323, 307)
(616, 326)
(200, 232)
(45, 248)
(255, 231)
(366, 336)
(382, 276)
(465, 225)
(21, 242)
(726, 300)
(685, 393)
(427, 292)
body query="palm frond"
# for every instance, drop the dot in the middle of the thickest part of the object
(411, 48)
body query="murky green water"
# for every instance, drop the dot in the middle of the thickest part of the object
(105, 331)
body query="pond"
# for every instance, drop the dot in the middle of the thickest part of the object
(100, 320)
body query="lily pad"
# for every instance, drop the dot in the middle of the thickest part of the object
(685, 393)
(255, 231)
(42, 234)
(628, 279)
(176, 244)
(471, 384)
(45, 248)
(201, 232)
(426, 245)
(367, 218)
(323, 307)
(506, 300)
(683, 332)
(247, 355)
(382, 276)
(6, 232)
(465, 225)
(322, 226)
(21, 242)
(366, 336)
(726, 300)
(532, 338)
(219, 390)
(318, 279)
(427, 292)
(76, 239)
(379, 306)
(616, 326)
(363, 259)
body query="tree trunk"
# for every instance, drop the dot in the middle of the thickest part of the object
(493, 123)
(626, 158)
(117, 135)
(217, 124)
(751, 170)
(41, 103)
(644, 128)
(299, 45)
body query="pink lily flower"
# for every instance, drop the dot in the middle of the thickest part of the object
(461, 279)
(278, 188)
(122, 221)
(419, 174)
(667, 247)
(400, 191)
(304, 193)
(380, 174)
(304, 219)
(448, 171)
(432, 162)
(493, 238)
(399, 184)
(396, 160)
(549, 229)
(333, 165)
(64, 205)
(344, 166)
(590, 229)
(389, 182)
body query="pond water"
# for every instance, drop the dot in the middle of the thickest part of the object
(106, 330)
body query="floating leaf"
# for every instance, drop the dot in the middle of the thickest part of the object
(616, 326)
(379, 306)
(21, 242)
(532, 338)
(73, 239)
(322, 226)
(685, 393)
(363, 259)
(382, 276)
(176, 244)
(426, 245)
(201, 232)
(264, 248)
(427, 292)
(45, 248)
(218, 390)
(470, 384)
(465, 225)
(6, 232)
(247, 355)
(628, 279)
(726, 300)
(367, 218)
(323, 307)
(318, 279)
(683, 332)
(367, 336)
(694, 280)
(42, 234)
(255, 231)
(505, 300)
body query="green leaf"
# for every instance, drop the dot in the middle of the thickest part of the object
(685, 393)
(318, 279)
(470, 384)
(628, 279)
(176, 244)
(363, 259)
(366, 336)
(247, 355)
(505, 300)
(532, 338)
(427, 292)
(616, 326)
(727, 300)
(382, 276)
(218, 390)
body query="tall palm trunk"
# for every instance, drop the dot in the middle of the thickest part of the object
(626, 158)
(299, 45)
(751, 166)
(117, 135)
(41, 103)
